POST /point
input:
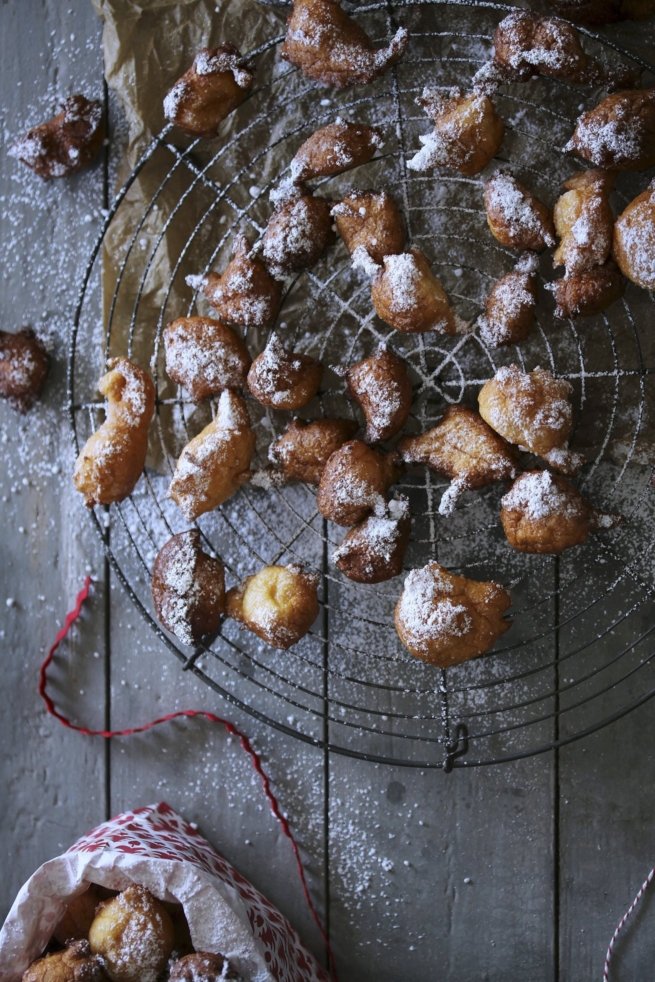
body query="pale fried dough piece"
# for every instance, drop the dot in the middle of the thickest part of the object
(467, 132)
(205, 356)
(516, 217)
(382, 387)
(373, 551)
(584, 221)
(216, 83)
(409, 297)
(201, 966)
(113, 458)
(65, 144)
(297, 234)
(214, 465)
(510, 305)
(335, 148)
(445, 619)
(618, 133)
(634, 239)
(244, 294)
(588, 292)
(370, 224)
(284, 379)
(354, 482)
(188, 588)
(304, 449)
(74, 964)
(133, 934)
(78, 916)
(279, 604)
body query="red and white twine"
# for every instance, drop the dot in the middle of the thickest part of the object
(622, 923)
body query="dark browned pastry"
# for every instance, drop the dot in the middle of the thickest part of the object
(298, 233)
(23, 367)
(188, 588)
(201, 966)
(335, 148)
(78, 916)
(374, 550)
(371, 226)
(463, 448)
(279, 604)
(73, 964)
(618, 133)
(584, 221)
(354, 482)
(244, 294)
(409, 297)
(634, 239)
(516, 217)
(133, 934)
(67, 143)
(382, 387)
(603, 11)
(588, 292)
(329, 47)
(510, 305)
(283, 379)
(304, 449)
(216, 83)
(545, 513)
(467, 132)
(205, 356)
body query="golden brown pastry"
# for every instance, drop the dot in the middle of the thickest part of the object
(205, 356)
(382, 387)
(244, 294)
(634, 239)
(279, 604)
(545, 513)
(467, 132)
(201, 966)
(335, 148)
(588, 292)
(65, 144)
(463, 448)
(354, 482)
(76, 919)
(584, 221)
(284, 379)
(297, 234)
(409, 297)
(304, 449)
(445, 619)
(374, 550)
(532, 410)
(133, 935)
(618, 133)
(73, 964)
(371, 226)
(516, 217)
(188, 588)
(112, 459)
(329, 47)
(510, 305)
(214, 465)
(216, 83)
(603, 11)
(23, 367)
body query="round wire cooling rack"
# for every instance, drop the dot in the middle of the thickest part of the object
(579, 654)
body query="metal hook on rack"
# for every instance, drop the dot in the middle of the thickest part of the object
(456, 747)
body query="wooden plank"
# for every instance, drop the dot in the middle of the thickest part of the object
(54, 780)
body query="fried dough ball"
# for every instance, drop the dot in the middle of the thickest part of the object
(374, 550)
(445, 619)
(74, 964)
(244, 294)
(634, 239)
(284, 379)
(382, 387)
(354, 482)
(527, 44)
(603, 11)
(133, 934)
(335, 148)
(463, 448)
(201, 966)
(516, 217)
(76, 919)
(370, 223)
(304, 449)
(409, 297)
(188, 588)
(618, 133)
(510, 305)
(544, 513)
(589, 292)
(65, 144)
(297, 234)
(23, 367)
(584, 220)
(216, 83)
(329, 47)
(112, 459)
(467, 132)
(279, 604)
(214, 465)
(532, 411)
(205, 356)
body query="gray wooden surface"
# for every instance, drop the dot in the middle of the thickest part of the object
(511, 872)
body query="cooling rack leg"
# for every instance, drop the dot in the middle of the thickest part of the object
(457, 747)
